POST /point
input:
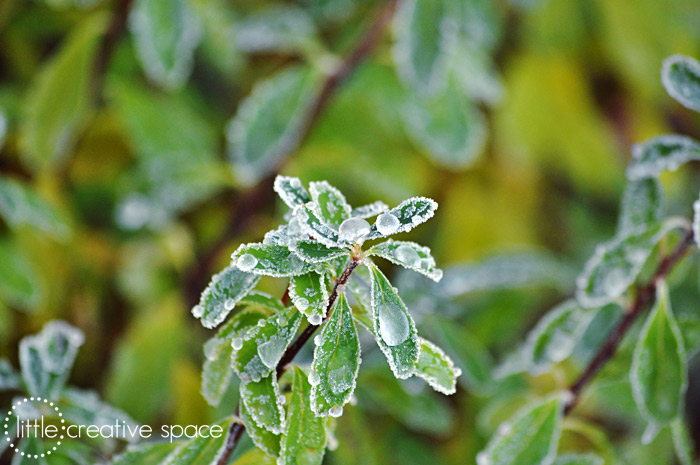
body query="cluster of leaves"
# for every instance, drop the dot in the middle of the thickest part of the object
(46, 360)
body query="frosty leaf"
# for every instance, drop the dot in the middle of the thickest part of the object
(291, 191)
(86, 408)
(222, 294)
(304, 438)
(447, 126)
(409, 213)
(394, 329)
(530, 438)
(59, 100)
(46, 358)
(662, 153)
(419, 51)
(681, 78)
(410, 255)
(313, 252)
(20, 205)
(682, 442)
(263, 346)
(578, 459)
(436, 368)
(336, 361)
(267, 124)
(370, 210)
(514, 271)
(615, 265)
(216, 371)
(202, 450)
(312, 225)
(276, 29)
(268, 260)
(642, 204)
(263, 402)
(331, 205)
(262, 302)
(165, 35)
(265, 440)
(556, 335)
(18, 280)
(9, 378)
(309, 293)
(658, 371)
(145, 454)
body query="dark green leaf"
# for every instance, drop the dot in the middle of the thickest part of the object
(662, 153)
(681, 78)
(410, 255)
(269, 260)
(309, 293)
(291, 191)
(409, 213)
(263, 402)
(22, 206)
(265, 440)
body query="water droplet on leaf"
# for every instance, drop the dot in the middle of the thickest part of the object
(354, 229)
(236, 343)
(315, 319)
(387, 224)
(407, 254)
(393, 324)
(246, 262)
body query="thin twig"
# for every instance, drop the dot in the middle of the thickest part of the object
(250, 200)
(645, 297)
(109, 42)
(236, 430)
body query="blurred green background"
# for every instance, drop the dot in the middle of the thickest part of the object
(126, 185)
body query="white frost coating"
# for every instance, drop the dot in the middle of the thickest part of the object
(410, 213)
(354, 230)
(246, 262)
(409, 255)
(432, 376)
(666, 152)
(394, 326)
(291, 191)
(341, 379)
(270, 352)
(387, 224)
(368, 211)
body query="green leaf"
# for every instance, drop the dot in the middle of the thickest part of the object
(409, 213)
(314, 252)
(304, 438)
(262, 302)
(263, 346)
(530, 438)
(282, 28)
(394, 329)
(9, 378)
(658, 372)
(291, 191)
(662, 153)
(59, 102)
(556, 335)
(681, 78)
(642, 206)
(436, 368)
(421, 43)
(331, 205)
(409, 255)
(145, 454)
(615, 265)
(18, 280)
(447, 127)
(309, 293)
(216, 371)
(578, 459)
(47, 358)
(265, 440)
(682, 442)
(336, 361)
(166, 32)
(30, 449)
(312, 225)
(20, 205)
(268, 123)
(269, 260)
(202, 450)
(222, 294)
(264, 403)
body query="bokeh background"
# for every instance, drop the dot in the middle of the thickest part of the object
(140, 196)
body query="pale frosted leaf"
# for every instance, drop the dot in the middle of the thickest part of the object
(263, 402)
(309, 293)
(82, 407)
(262, 302)
(9, 378)
(410, 255)
(166, 33)
(370, 210)
(269, 260)
(331, 203)
(304, 438)
(222, 294)
(265, 440)
(310, 223)
(658, 371)
(394, 328)
(642, 205)
(314, 252)
(409, 213)
(662, 153)
(682, 442)
(336, 361)
(578, 459)
(20, 205)
(681, 78)
(436, 368)
(291, 191)
(202, 450)
(282, 28)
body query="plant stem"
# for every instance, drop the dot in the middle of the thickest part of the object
(115, 29)
(250, 200)
(236, 429)
(645, 297)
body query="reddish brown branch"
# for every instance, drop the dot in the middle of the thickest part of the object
(645, 297)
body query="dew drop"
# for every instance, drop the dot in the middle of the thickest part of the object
(237, 343)
(483, 459)
(302, 303)
(393, 324)
(315, 319)
(198, 311)
(336, 411)
(246, 262)
(387, 224)
(271, 351)
(229, 304)
(407, 254)
(210, 348)
(314, 378)
(318, 340)
(354, 229)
